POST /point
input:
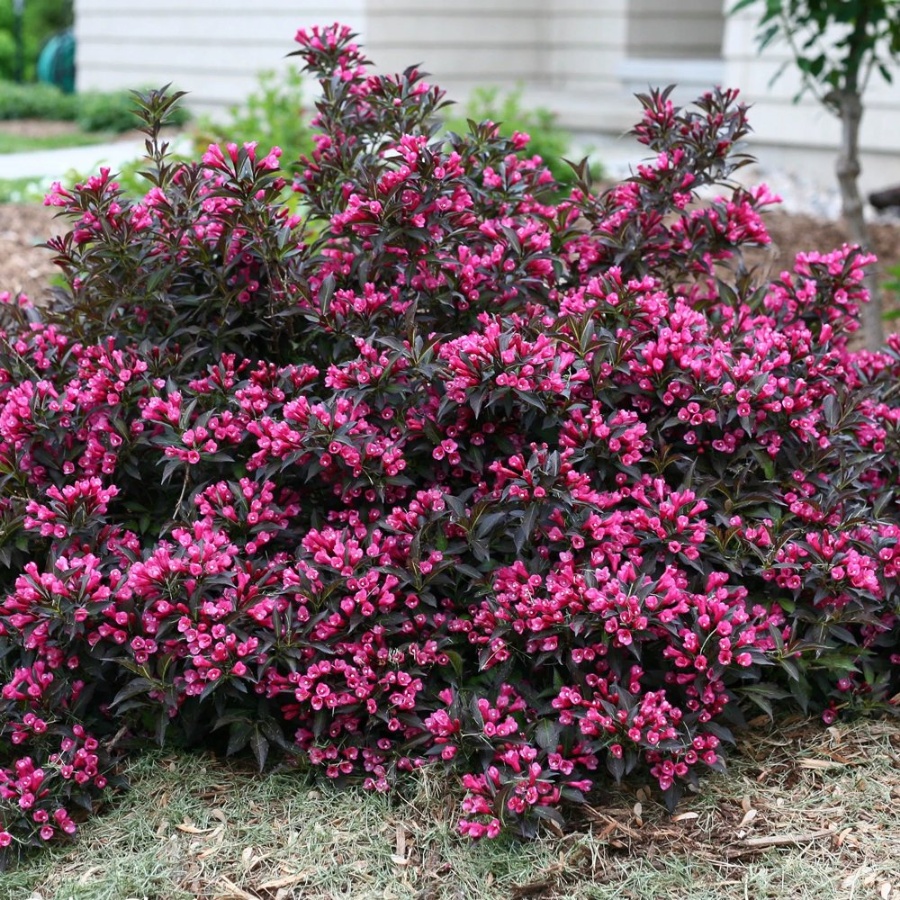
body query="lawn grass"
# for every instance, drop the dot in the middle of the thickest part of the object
(20, 143)
(804, 812)
(23, 190)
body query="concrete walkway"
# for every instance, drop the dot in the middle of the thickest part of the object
(617, 156)
(57, 164)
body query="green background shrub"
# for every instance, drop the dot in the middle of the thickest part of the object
(41, 20)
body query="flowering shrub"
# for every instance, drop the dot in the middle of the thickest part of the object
(443, 474)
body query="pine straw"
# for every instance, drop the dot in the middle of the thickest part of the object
(804, 812)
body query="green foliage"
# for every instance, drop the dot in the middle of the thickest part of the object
(115, 111)
(41, 19)
(533, 490)
(22, 190)
(548, 140)
(93, 111)
(892, 285)
(836, 44)
(35, 101)
(273, 115)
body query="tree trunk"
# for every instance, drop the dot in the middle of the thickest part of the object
(850, 109)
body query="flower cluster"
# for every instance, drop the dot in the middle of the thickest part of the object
(462, 475)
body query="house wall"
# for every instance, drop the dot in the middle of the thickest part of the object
(563, 53)
(212, 48)
(585, 46)
(688, 29)
(582, 58)
(670, 43)
(462, 44)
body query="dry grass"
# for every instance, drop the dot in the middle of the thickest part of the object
(804, 812)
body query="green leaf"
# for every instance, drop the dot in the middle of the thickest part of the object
(546, 735)
(259, 744)
(132, 689)
(616, 767)
(523, 532)
(456, 662)
(238, 736)
(768, 35)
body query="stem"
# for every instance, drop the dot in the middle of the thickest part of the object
(850, 110)
(184, 487)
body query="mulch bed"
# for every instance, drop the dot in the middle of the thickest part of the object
(25, 266)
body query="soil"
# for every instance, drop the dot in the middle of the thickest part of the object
(27, 267)
(795, 233)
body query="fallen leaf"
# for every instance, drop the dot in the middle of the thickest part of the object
(235, 892)
(686, 816)
(400, 845)
(190, 828)
(88, 876)
(749, 816)
(853, 877)
(779, 840)
(287, 881)
(215, 839)
(841, 836)
(820, 764)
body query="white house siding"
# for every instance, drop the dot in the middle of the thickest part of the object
(462, 44)
(212, 48)
(582, 58)
(686, 29)
(563, 53)
(586, 45)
